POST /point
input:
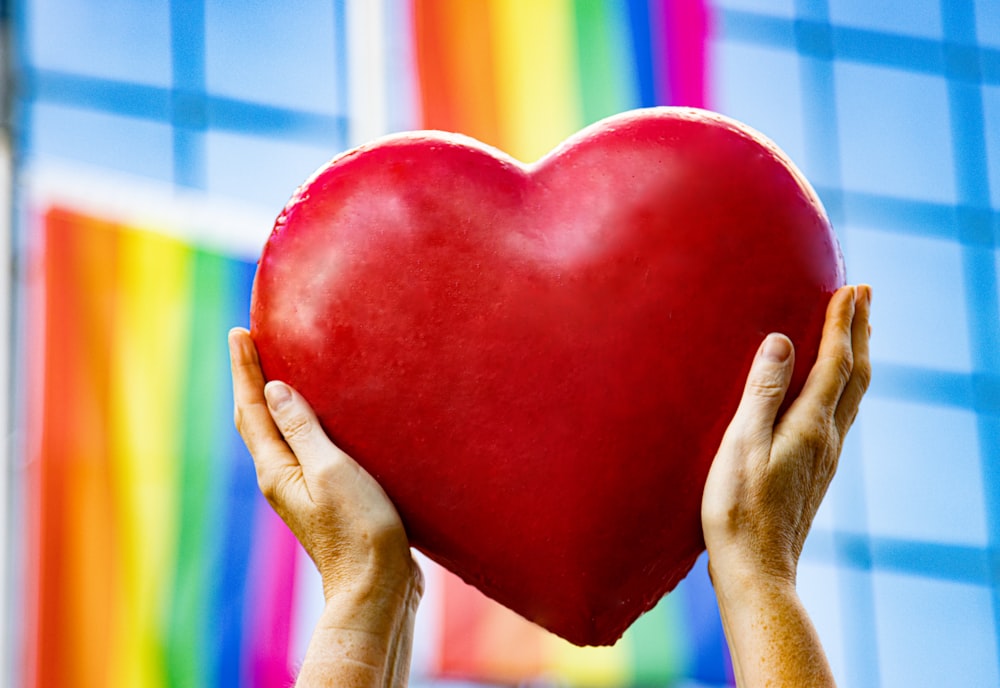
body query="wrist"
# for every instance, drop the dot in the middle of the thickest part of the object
(378, 591)
(739, 580)
(742, 561)
(362, 638)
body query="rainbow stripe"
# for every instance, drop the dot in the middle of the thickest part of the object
(144, 500)
(522, 75)
(151, 558)
(681, 638)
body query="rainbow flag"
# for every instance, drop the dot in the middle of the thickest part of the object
(151, 559)
(522, 75)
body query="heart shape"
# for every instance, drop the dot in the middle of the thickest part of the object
(537, 362)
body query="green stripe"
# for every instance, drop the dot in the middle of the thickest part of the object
(660, 646)
(607, 82)
(204, 417)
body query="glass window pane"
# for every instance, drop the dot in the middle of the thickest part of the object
(818, 587)
(112, 39)
(115, 142)
(915, 17)
(988, 22)
(934, 633)
(991, 115)
(919, 315)
(281, 53)
(260, 170)
(923, 474)
(895, 133)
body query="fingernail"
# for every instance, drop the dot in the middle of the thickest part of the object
(776, 348)
(278, 394)
(240, 344)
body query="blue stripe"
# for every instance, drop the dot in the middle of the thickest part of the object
(703, 624)
(642, 51)
(242, 493)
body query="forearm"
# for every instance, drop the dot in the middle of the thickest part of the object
(771, 639)
(362, 640)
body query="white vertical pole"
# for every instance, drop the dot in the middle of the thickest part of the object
(367, 105)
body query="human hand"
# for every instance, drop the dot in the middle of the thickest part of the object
(764, 488)
(346, 524)
(767, 480)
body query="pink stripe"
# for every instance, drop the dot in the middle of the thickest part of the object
(269, 602)
(686, 30)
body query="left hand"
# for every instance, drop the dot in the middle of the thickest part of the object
(336, 509)
(344, 521)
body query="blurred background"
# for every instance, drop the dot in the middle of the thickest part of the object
(148, 146)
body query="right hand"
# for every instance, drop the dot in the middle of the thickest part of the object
(768, 478)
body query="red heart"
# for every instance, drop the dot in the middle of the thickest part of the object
(538, 362)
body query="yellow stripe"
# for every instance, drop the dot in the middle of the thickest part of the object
(149, 345)
(595, 667)
(538, 98)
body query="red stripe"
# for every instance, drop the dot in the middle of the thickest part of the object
(74, 522)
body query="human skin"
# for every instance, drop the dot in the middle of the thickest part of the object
(765, 487)
(762, 493)
(346, 524)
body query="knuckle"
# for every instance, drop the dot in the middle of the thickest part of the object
(847, 417)
(845, 366)
(767, 385)
(326, 473)
(296, 426)
(273, 485)
(863, 374)
(815, 440)
(267, 484)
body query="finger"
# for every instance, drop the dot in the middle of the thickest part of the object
(834, 361)
(766, 386)
(252, 418)
(861, 371)
(300, 428)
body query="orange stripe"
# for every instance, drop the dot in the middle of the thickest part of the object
(482, 639)
(75, 577)
(454, 48)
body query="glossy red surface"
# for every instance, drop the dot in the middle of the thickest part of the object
(538, 362)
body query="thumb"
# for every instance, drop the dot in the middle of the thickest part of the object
(297, 423)
(766, 385)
